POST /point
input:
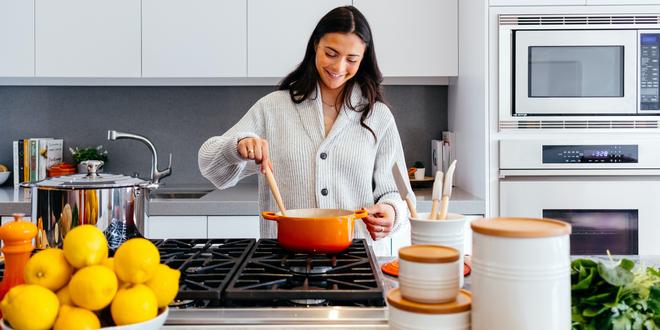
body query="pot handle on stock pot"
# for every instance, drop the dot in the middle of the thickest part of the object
(270, 216)
(361, 213)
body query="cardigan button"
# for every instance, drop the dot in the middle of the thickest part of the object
(324, 155)
(324, 192)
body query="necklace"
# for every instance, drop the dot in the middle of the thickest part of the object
(330, 105)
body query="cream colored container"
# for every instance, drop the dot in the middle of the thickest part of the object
(427, 273)
(408, 315)
(449, 232)
(521, 274)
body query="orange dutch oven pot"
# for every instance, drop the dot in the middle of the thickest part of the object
(316, 230)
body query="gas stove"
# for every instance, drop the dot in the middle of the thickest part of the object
(232, 282)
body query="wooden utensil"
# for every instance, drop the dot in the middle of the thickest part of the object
(403, 189)
(437, 191)
(274, 190)
(446, 190)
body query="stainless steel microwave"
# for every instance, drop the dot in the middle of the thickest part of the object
(578, 66)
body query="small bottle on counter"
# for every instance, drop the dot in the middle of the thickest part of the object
(17, 237)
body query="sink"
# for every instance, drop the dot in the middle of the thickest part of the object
(178, 194)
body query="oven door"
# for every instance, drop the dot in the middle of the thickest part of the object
(619, 214)
(576, 72)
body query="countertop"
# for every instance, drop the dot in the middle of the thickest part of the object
(239, 200)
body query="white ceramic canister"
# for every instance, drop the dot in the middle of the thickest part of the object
(521, 274)
(427, 273)
(449, 232)
(409, 315)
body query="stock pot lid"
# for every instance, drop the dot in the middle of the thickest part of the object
(85, 181)
(521, 227)
(462, 303)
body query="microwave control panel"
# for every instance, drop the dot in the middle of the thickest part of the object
(561, 154)
(649, 71)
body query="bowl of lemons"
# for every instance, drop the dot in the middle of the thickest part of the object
(4, 174)
(79, 285)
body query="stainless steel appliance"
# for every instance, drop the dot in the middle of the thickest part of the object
(229, 283)
(608, 189)
(591, 71)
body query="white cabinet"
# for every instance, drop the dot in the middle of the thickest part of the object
(623, 2)
(537, 2)
(414, 38)
(176, 227)
(199, 38)
(17, 38)
(82, 38)
(233, 227)
(278, 32)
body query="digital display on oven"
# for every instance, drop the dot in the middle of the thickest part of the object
(562, 154)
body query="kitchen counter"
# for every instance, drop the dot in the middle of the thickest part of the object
(239, 200)
(243, 200)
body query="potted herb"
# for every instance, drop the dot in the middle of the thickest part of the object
(419, 170)
(88, 153)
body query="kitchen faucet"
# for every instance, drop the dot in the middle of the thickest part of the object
(156, 175)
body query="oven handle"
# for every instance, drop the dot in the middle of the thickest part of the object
(580, 172)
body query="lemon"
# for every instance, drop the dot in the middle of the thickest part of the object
(136, 260)
(110, 263)
(74, 318)
(3, 168)
(134, 304)
(49, 269)
(93, 287)
(85, 246)
(165, 284)
(29, 306)
(64, 296)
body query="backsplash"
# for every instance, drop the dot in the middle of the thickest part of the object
(177, 120)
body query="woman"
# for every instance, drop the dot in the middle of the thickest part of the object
(326, 134)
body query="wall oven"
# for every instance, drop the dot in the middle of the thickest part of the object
(576, 68)
(608, 189)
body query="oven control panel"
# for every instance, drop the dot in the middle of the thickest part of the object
(561, 154)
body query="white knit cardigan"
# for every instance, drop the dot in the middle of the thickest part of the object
(355, 170)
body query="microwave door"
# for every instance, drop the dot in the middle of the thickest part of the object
(575, 72)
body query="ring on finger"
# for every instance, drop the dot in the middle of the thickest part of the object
(250, 151)
(380, 229)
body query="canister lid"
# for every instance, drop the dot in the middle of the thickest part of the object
(521, 227)
(462, 303)
(428, 254)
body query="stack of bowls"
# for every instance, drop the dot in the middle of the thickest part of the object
(428, 296)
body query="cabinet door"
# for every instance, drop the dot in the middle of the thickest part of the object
(278, 32)
(176, 227)
(82, 38)
(537, 2)
(623, 2)
(194, 38)
(17, 38)
(414, 38)
(233, 226)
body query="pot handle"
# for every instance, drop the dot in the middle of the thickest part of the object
(270, 216)
(361, 213)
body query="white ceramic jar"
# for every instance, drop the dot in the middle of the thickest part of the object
(408, 315)
(427, 273)
(521, 274)
(449, 232)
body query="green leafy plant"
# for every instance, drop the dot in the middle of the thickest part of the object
(617, 296)
(418, 164)
(89, 153)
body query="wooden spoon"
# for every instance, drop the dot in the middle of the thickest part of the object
(446, 190)
(273, 189)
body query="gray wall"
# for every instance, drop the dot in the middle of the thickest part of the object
(177, 120)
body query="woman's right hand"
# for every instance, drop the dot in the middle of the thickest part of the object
(255, 149)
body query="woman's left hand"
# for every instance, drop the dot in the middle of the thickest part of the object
(380, 220)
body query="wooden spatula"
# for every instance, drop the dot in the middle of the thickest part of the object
(274, 190)
(437, 194)
(446, 190)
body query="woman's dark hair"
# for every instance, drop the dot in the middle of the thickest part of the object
(301, 83)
